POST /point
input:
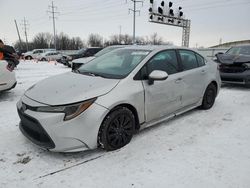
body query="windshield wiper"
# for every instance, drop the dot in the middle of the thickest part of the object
(92, 74)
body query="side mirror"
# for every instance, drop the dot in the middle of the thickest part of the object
(157, 75)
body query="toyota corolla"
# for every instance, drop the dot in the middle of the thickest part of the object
(103, 103)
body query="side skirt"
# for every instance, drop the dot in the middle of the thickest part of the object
(171, 116)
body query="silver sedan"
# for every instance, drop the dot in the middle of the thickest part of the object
(103, 103)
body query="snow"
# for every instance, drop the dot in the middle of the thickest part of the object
(197, 149)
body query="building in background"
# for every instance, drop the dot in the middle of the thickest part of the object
(230, 44)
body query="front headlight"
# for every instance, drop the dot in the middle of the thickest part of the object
(70, 111)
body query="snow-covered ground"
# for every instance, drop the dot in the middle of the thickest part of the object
(203, 149)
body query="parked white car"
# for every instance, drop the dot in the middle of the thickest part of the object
(35, 53)
(52, 56)
(106, 101)
(7, 78)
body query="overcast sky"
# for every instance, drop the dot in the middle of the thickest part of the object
(210, 19)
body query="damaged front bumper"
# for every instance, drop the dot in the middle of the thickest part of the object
(236, 78)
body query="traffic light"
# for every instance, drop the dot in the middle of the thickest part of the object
(180, 12)
(171, 20)
(171, 12)
(170, 4)
(160, 10)
(160, 19)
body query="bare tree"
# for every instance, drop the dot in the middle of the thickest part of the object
(76, 43)
(114, 40)
(40, 41)
(155, 39)
(126, 39)
(63, 41)
(95, 40)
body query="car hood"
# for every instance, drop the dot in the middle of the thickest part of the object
(232, 59)
(83, 60)
(69, 88)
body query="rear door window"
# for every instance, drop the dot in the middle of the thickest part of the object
(188, 59)
(200, 60)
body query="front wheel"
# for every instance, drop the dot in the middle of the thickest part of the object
(117, 129)
(28, 58)
(209, 97)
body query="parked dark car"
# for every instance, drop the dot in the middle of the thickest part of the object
(86, 52)
(235, 65)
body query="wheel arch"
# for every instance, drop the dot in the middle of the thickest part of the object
(126, 105)
(132, 109)
(215, 84)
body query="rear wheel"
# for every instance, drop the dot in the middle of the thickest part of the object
(43, 59)
(209, 97)
(117, 129)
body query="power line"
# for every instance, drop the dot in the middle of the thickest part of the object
(218, 6)
(53, 12)
(95, 10)
(134, 10)
(25, 24)
(213, 3)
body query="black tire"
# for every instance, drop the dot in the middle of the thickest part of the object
(117, 129)
(43, 59)
(209, 97)
(28, 58)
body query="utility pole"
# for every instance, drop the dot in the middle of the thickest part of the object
(120, 33)
(20, 41)
(134, 10)
(25, 24)
(53, 12)
(220, 42)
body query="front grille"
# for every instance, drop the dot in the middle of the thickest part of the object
(32, 129)
(240, 80)
(232, 69)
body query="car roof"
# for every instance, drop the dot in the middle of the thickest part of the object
(53, 51)
(155, 47)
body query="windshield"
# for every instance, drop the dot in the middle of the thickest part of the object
(243, 50)
(81, 51)
(106, 50)
(115, 65)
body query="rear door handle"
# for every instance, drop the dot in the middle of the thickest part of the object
(203, 72)
(178, 80)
